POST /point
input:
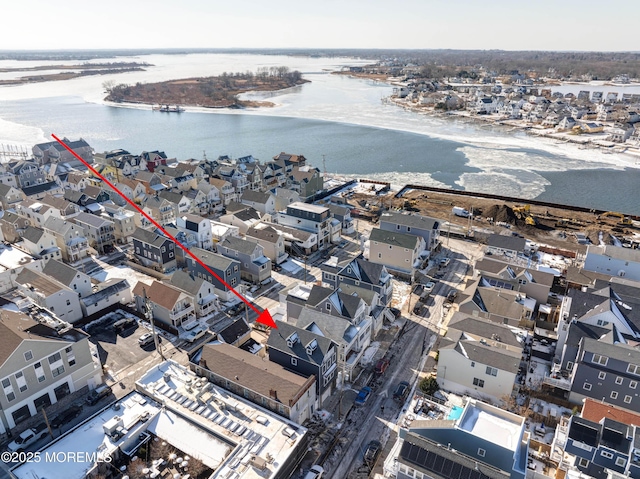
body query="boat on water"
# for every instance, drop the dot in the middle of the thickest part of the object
(168, 109)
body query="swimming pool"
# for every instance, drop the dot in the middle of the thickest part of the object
(456, 412)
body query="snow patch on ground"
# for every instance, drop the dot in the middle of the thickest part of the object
(369, 353)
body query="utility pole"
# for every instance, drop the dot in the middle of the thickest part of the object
(148, 313)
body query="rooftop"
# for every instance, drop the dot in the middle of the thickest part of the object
(492, 424)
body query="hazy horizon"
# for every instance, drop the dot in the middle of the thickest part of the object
(349, 24)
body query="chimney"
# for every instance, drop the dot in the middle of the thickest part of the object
(273, 394)
(203, 363)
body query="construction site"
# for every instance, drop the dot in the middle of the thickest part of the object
(564, 227)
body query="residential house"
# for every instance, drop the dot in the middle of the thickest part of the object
(76, 180)
(417, 225)
(153, 159)
(297, 160)
(70, 239)
(114, 291)
(41, 243)
(178, 199)
(123, 222)
(499, 274)
(399, 252)
(343, 215)
(227, 272)
(360, 273)
(307, 181)
(212, 196)
(37, 192)
(306, 353)
(255, 267)
(27, 173)
(262, 202)
(465, 447)
(219, 231)
(272, 242)
(498, 305)
(169, 305)
(307, 217)
(262, 382)
(509, 246)
(54, 152)
(151, 181)
(48, 293)
(297, 242)
(352, 340)
(131, 189)
(225, 189)
(199, 201)
(480, 358)
(66, 208)
(614, 261)
(244, 217)
(10, 195)
(200, 227)
(39, 367)
(236, 333)
(98, 230)
(589, 127)
(284, 197)
(13, 226)
(161, 210)
(202, 291)
(7, 177)
(36, 212)
(154, 250)
(73, 279)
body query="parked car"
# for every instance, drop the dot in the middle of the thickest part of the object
(316, 472)
(145, 339)
(97, 394)
(195, 334)
(362, 396)
(444, 262)
(381, 366)
(451, 295)
(123, 324)
(396, 312)
(28, 437)
(374, 448)
(428, 288)
(401, 392)
(67, 415)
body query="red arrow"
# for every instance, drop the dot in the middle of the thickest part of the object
(264, 317)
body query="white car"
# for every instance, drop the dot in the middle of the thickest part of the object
(145, 339)
(444, 262)
(195, 334)
(316, 472)
(428, 288)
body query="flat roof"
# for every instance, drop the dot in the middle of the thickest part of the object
(299, 205)
(492, 424)
(249, 429)
(11, 258)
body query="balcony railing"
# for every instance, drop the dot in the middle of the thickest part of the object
(560, 383)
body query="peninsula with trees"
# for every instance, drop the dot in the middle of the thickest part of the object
(210, 92)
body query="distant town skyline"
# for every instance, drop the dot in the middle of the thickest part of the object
(405, 24)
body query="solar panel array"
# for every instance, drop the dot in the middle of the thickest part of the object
(435, 463)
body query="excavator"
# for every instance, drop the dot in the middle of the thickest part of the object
(523, 212)
(623, 220)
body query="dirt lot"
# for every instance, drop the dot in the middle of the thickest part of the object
(555, 227)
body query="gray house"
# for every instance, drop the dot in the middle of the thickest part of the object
(305, 353)
(38, 366)
(227, 269)
(362, 273)
(427, 228)
(255, 267)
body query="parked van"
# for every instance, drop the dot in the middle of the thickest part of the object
(97, 394)
(123, 324)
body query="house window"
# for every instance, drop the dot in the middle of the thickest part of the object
(328, 307)
(569, 365)
(633, 384)
(627, 399)
(620, 461)
(586, 387)
(71, 357)
(606, 454)
(614, 395)
(492, 371)
(633, 369)
(22, 383)
(598, 359)
(39, 372)
(478, 382)
(619, 380)
(54, 357)
(294, 361)
(582, 462)
(57, 371)
(68, 302)
(390, 247)
(481, 452)
(602, 375)
(379, 255)
(473, 364)
(28, 356)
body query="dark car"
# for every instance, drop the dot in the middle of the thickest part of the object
(67, 415)
(123, 325)
(374, 448)
(98, 393)
(381, 366)
(451, 295)
(401, 392)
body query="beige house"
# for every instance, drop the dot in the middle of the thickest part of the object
(70, 239)
(399, 252)
(271, 241)
(169, 304)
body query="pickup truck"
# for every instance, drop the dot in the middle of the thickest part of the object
(362, 396)
(28, 437)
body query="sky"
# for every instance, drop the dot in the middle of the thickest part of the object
(416, 24)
